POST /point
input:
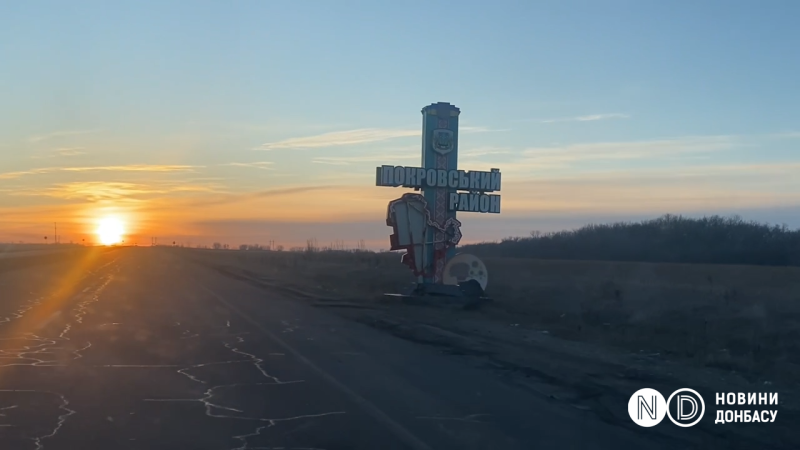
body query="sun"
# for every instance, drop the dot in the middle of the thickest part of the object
(110, 231)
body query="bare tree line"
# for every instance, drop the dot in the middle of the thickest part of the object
(670, 238)
(312, 246)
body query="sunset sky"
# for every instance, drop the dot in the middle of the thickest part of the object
(244, 122)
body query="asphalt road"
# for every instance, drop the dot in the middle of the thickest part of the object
(139, 348)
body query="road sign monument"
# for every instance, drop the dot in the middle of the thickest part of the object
(425, 224)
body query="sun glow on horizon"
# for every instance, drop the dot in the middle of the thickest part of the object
(110, 231)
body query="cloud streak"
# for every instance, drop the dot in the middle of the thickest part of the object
(339, 138)
(63, 153)
(589, 118)
(59, 134)
(658, 190)
(787, 135)
(357, 159)
(481, 130)
(226, 199)
(96, 191)
(126, 168)
(66, 152)
(263, 165)
(355, 137)
(569, 155)
(483, 151)
(734, 174)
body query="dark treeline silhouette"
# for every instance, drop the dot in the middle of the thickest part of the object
(676, 239)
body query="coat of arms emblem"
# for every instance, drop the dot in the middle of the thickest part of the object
(443, 141)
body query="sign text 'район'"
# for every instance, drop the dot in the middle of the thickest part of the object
(474, 202)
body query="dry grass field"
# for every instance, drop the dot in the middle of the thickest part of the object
(740, 318)
(744, 318)
(17, 256)
(585, 332)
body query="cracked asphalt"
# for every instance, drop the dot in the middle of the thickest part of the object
(138, 348)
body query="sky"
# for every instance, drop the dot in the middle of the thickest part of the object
(257, 121)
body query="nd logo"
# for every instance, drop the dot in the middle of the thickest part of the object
(685, 407)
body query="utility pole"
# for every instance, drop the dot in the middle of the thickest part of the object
(55, 233)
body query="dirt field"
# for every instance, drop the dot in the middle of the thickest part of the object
(589, 333)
